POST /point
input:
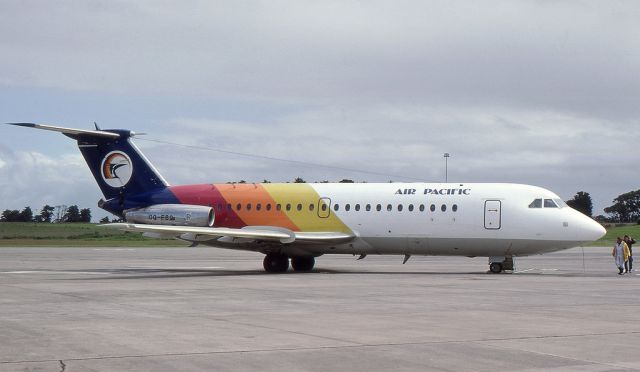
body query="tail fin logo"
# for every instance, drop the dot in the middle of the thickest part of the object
(116, 169)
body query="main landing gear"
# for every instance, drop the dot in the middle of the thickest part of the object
(499, 264)
(279, 263)
(302, 263)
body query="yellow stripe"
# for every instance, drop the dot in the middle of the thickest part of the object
(306, 220)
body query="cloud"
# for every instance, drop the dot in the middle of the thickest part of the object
(568, 55)
(561, 151)
(35, 179)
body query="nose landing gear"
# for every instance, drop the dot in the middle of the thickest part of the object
(495, 267)
(498, 264)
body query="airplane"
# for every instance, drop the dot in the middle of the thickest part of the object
(294, 223)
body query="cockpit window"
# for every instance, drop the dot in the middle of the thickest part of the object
(536, 204)
(560, 203)
(547, 203)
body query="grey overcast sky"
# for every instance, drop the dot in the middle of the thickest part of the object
(537, 92)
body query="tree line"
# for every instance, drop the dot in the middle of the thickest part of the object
(48, 214)
(625, 208)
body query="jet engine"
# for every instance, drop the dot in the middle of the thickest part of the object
(172, 214)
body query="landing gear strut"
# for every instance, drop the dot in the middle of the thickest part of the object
(302, 263)
(275, 263)
(497, 264)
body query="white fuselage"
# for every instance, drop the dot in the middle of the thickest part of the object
(453, 219)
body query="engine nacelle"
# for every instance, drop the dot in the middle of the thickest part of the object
(172, 214)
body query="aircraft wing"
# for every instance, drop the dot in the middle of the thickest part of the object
(264, 233)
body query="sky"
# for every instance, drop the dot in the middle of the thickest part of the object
(537, 92)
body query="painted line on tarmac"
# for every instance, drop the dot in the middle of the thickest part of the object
(114, 249)
(195, 268)
(111, 272)
(54, 272)
(542, 271)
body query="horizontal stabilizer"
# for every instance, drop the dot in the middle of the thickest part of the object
(70, 131)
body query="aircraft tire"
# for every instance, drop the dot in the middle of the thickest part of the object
(275, 263)
(302, 263)
(495, 267)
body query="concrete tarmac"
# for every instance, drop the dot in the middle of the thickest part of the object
(203, 309)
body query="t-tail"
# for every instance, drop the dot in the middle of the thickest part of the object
(125, 176)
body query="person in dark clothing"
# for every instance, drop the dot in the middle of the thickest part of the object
(630, 242)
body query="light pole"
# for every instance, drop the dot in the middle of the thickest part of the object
(446, 167)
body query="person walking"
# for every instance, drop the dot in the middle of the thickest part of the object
(621, 254)
(630, 242)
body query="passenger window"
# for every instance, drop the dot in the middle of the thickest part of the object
(357, 207)
(454, 207)
(229, 207)
(278, 207)
(258, 206)
(421, 207)
(368, 207)
(410, 207)
(536, 204)
(249, 206)
(347, 207)
(288, 207)
(389, 207)
(548, 203)
(378, 207)
(311, 207)
(239, 206)
(399, 207)
(432, 208)
(324, 207)
(268, 207)
(443, 208)
(219, 207)
(299, 207)
(336, 207)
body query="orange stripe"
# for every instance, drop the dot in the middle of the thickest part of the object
(255, 194)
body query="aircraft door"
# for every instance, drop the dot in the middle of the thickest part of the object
(492, 214)
(324, 207)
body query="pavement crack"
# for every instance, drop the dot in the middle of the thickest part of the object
(63, 366)
(308, 334)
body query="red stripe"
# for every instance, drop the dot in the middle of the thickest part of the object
(207, 194)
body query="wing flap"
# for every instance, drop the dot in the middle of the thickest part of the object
(323, 237)
(269, 233)
(177, 231)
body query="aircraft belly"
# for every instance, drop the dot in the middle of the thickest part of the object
(472, 247)
(464, 246)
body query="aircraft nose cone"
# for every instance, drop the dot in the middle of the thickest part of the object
(600, 230)
(592, 230)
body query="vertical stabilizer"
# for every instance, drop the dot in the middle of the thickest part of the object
(118, 166)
